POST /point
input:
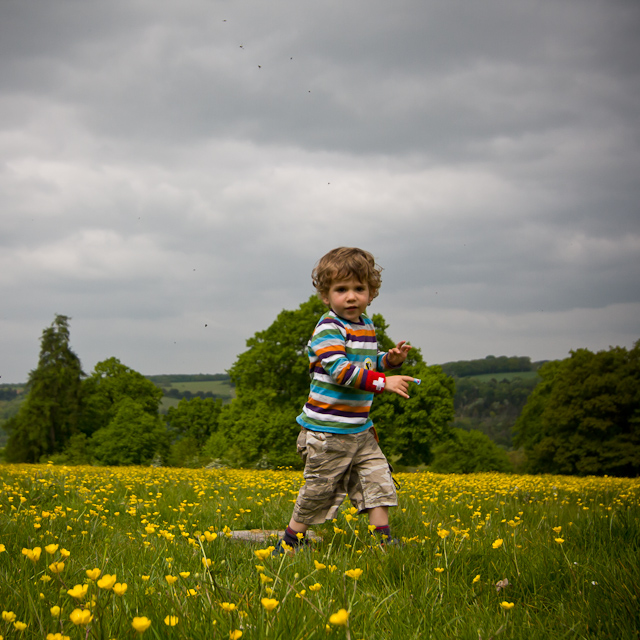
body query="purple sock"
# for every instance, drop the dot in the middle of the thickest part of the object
(383, 531)
(291, 537)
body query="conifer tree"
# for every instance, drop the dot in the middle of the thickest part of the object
(49, 415)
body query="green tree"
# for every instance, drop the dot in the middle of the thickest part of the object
(49, 415)
(276, 359)
(584, 417)
(133, 436)
(120, 413)
(196, 419)
(110, 383)
(191, 424)
(469, 452)
(408, 429)
(257, 428)
(272, 384)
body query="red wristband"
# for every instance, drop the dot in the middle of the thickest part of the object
(375, 382)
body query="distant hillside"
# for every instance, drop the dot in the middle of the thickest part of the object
(180, 386)
(491, 393)
(11, 397)
(170, 379)
(490, 365)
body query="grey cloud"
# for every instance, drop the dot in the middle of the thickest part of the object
(155, 175)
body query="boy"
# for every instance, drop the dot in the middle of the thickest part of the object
(337, 440)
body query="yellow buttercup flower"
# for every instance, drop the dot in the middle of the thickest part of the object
(56, 567)
(207, 562)
(319, 566)
(269, 603)
(51, 548)
(315, 587)
(265, 579)
(235, 634)
(353, 573)
(557, 529)
(443, 533)
(19, 626)
(497, 544)
(507, 605)
(141, 624)
(439, 569)
(171, 621)
(185, 574)
(476, 579)
(55, 611)
(263, 554)
(81, 616)
(228, 606)
(32, 554)
(64, 553)
(107, 581)
(171, 579)
(8, 616)
(79, 591)
(120, 588)
(340, 618)
(93, 574)
(57, 636)
(210, 537)
(2, 548)
(559, 540)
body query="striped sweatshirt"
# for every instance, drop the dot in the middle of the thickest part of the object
(345, 369)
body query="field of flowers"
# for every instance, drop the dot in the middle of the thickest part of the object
(89, 552)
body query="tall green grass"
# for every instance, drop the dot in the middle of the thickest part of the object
(568, 548)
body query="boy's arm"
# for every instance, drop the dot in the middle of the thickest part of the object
(328, 344)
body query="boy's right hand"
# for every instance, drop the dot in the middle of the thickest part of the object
(398, 384)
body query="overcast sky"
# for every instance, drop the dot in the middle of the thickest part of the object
(170, 172)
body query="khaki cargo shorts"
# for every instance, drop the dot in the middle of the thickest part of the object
(337, 465)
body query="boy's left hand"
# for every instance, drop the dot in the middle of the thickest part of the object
(397, 355)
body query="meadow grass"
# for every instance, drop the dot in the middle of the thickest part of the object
(568, 548)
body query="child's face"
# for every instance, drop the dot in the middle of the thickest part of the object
(348, 298)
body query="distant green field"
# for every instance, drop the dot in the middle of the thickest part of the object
(219, 387)
(165, 403)
(487, 377)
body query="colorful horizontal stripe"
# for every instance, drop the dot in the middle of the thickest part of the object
(345, 369)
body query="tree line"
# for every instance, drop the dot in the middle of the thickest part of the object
(111, 416)
(584, 416)
(187, 395)
(8, 393)
(581, 417)
(490, 364)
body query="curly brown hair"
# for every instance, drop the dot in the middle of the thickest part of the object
(343, 263)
